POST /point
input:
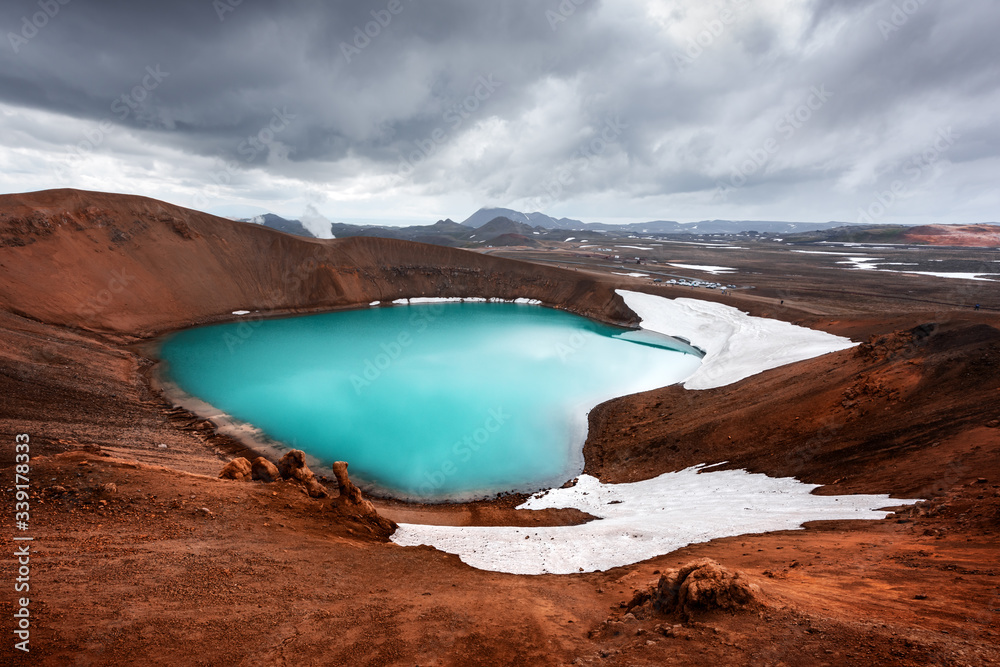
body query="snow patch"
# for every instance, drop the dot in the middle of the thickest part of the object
(434, 299)
(714, 270)
(862, 263)
(736, 345)
(241, 312)
(707, 245)
(874, 264)
(822, 252)
(642, 520)
(956, 275)
(417, 300)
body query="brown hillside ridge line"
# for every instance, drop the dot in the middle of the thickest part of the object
(955, 235)
(136, 266)
(143, 555)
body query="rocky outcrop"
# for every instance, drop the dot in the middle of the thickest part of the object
(238, 469)
(265, 471)
(699, 586)
(293, 466)
(349, 493)
(897, 344)
(353, 505)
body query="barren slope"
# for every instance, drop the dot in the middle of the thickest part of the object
(134, 265)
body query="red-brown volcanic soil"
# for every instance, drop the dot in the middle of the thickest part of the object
(171, 565)
(955, 235)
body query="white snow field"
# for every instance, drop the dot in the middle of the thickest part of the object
(714, 270)
(642, 520)
(736, 345)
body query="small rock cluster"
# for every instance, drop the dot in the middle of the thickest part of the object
(699, 586)
(292, 466)
(350, 505)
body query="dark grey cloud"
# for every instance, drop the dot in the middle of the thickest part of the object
(695, 89)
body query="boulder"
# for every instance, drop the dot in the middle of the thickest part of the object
(293, 466)
(265, 471)
(703, 585)
(238, 469)
(699, 586)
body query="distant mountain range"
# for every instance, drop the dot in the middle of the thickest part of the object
(479, 229)
(504, 226)
(484, 215)
(281, 224)
(496, 231)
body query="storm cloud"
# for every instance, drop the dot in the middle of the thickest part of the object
(410, 110)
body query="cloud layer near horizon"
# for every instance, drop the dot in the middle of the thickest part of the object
(797, 109)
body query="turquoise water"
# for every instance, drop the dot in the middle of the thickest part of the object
(434, 402)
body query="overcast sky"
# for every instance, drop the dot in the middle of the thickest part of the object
(416, 110)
